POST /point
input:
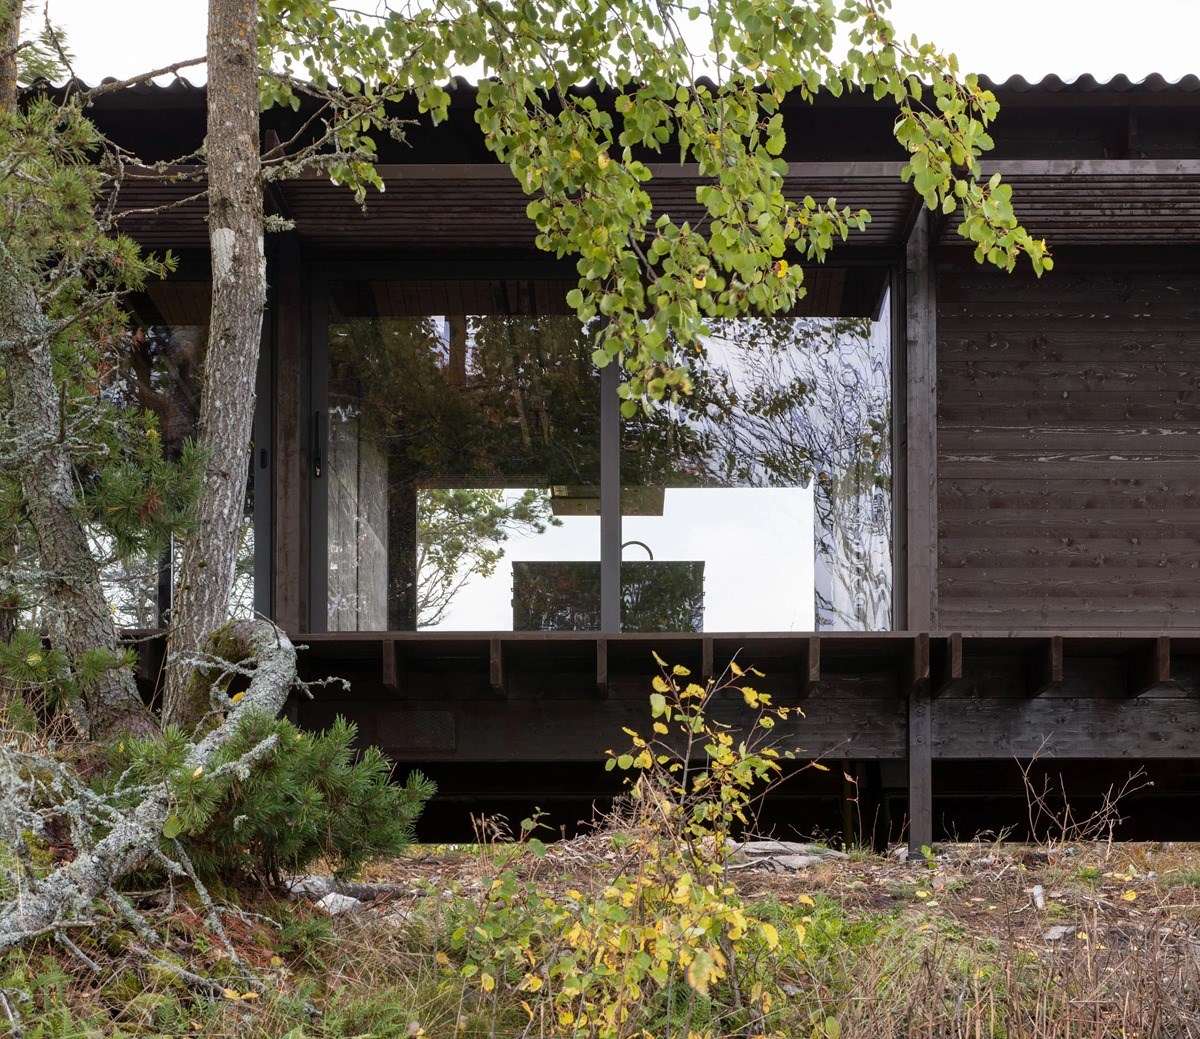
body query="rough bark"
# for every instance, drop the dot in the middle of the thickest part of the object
(10, 37)
(66, 896)
(72, 579)
(205, 579)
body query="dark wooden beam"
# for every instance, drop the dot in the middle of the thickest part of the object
(706, 659)
(496, 676)
(808, 667)
(1044, 666)
(797, 171)
(1149, 666)
(918, 505)
(946, 664)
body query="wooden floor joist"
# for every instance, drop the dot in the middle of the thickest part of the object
(916, 676)
(808, 668)
(1149, 666)
(946, 663)
(393, 669)
(1044, 666)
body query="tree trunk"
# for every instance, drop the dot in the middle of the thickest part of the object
(10, 37)
(72, 579)
(239, 291)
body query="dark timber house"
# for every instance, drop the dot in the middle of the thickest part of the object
(954, 513)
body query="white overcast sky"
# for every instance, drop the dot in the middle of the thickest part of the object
(1028, 37)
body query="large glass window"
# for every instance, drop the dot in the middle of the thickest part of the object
(462, 477)
(462, 462)
(763, 502)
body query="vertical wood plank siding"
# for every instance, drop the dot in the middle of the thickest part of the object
(1069, 447)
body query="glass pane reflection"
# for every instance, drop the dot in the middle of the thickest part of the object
(161, 363)
(774, 477)
(463, 447)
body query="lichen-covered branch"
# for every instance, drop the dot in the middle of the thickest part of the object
(61, 899)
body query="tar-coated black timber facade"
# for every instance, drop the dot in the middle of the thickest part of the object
(1045, 443)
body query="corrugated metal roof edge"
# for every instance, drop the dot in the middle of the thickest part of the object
(1051, 84)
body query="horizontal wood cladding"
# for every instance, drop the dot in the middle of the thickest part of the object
(1069, 447)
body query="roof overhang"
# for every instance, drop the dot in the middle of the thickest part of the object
(445, 210)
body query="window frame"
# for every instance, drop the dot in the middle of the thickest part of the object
(314, 427)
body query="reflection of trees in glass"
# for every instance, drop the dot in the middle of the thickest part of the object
(449, 410)
(525, 400)
(782, 402)
(160, 372)
(460, 535)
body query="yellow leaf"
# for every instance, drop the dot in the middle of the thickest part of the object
(660, 684)
(922, 894)
(700, 279)
(442, 959)
(602, 160)
(230, 993)
(819, 767)
(531, 983)
(1082, 936)
(33, 659)
(701, 971)
(771, 936)
(198, 772)
(680, 670)
(276, 961)
(737, 671)
(1129, 896)
(487, 982)
(249, 995)
(804, 900)
(237, 696)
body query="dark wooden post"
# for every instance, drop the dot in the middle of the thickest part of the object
(920, 445)
(920, 770)
(920, 511)
(290, 519)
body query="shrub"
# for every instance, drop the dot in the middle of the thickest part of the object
(311, 797)
(667, 941)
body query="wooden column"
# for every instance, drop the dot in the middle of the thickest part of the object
(919, 514)
(920, 769)
(919, 517)
(290, 519)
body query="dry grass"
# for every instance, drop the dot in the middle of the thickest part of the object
(989, 940)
